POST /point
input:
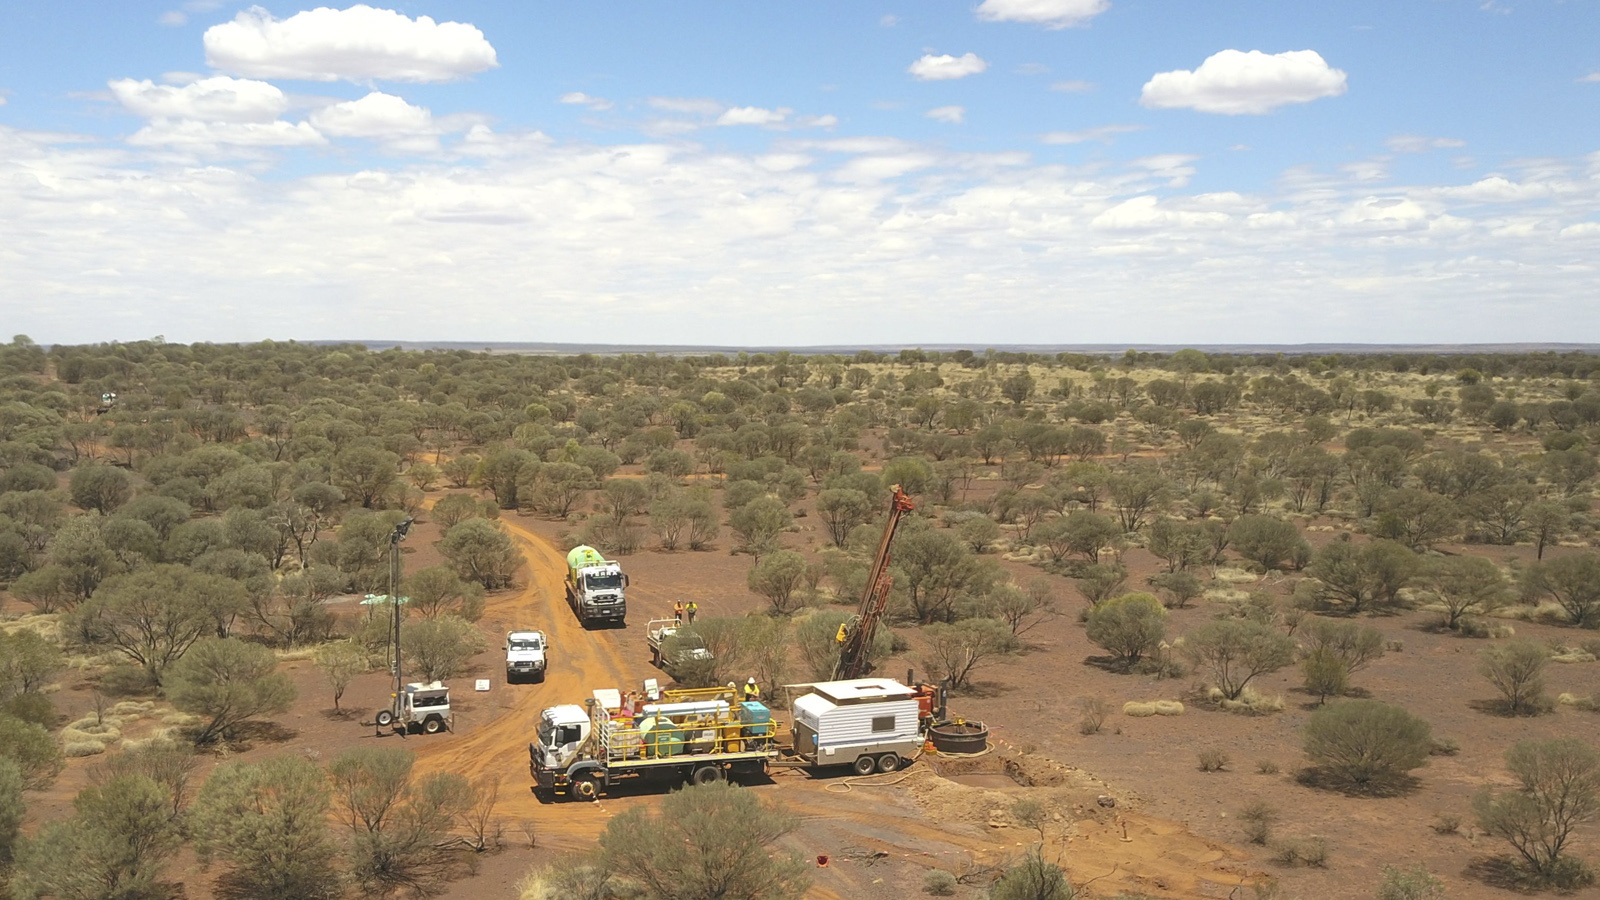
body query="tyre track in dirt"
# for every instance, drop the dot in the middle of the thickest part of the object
(579, 661)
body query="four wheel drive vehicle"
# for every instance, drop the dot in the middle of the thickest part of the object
(595, 587)
(421, 705)
(526, 655)
(658, 633)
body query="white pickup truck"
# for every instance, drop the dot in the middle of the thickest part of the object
(525, 655)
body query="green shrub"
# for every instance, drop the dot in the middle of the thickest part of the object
(1365, 744)
(1128, 627)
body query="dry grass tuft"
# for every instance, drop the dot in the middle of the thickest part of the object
(1141, 709)
(1249, 703)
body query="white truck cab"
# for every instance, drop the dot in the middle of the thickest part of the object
(561, 731)
(526, 655)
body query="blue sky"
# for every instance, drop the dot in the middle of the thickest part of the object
(1003, 171)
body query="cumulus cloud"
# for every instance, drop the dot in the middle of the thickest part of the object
(194, 136)
(1384, 212)
(694, 106)
(752, 115)
(579, 98)
(720, 244)
(356, 44)
(1416, 143)
(1049, 13)
(1103, 133)
(951, 115)
(1233, 82)
(377, 115)
(947, 67)
(219, 99)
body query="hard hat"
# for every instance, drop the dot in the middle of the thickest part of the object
(751, 681)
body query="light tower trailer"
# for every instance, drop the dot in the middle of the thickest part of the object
(423, 705)
(580, 751)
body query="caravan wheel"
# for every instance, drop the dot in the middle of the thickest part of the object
(889, 762)
(865, 765)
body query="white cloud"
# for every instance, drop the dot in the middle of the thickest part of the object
(356, 44)
(682, 243)
(377, 115)
(1237, 83)
(1591, 78)
(172, 18)
(1386, 212)
(1073, 86)
(694, 106)
(1497, 189)
(952, 115)
(222, 137)
(946, 67)
(579, 98)
(889, 21)
(1049, 13)
(1416, 143)
(824, 121)
(218, 99)
(1146, 212)
(1102, 133)
(752, 115)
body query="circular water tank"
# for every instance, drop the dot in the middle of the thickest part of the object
(960, 737)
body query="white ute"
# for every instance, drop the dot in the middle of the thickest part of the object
(525, 655)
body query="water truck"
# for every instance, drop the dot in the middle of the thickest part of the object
(595, 587)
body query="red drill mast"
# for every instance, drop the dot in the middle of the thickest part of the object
(856, 634)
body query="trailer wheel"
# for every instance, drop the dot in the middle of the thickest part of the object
(865, 765)
(585, 787)
(707, 775)
(889, 762)
(655, 657)
(385, 718)
(432, 725)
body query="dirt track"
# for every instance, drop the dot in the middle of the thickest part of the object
(579, 662)
(880, 839)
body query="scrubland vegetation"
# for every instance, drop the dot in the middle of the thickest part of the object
(169, 548)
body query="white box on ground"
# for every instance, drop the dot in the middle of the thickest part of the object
(482, 684)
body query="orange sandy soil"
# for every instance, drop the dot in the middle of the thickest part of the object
(1173, 832)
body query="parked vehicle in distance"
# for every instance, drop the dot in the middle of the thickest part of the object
(526, 655)
(595, 587)
(657, 633)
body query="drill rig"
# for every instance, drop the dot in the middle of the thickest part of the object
(855, 635)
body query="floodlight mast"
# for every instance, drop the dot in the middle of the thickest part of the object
(395, 537)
